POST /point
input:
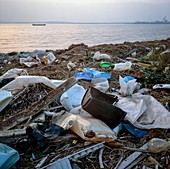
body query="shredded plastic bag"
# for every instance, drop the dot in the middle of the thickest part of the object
(145, 112)
(100, 56)
(22, 81)
(128, 88)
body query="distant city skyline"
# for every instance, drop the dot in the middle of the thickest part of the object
(84, 10)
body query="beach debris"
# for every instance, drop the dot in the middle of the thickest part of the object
(90, 74)
(106, 64)
(8, 156)
(5, 98)
(68, 101)
(122, 66)
(158, 145)
(30, 61)
(64, 163)
(71, 65)
(11, 75)
(101, 84)
(143, 115)
(101, 56)
(132, 52)
(38, 106)
(41, 163)
(23, 81)
(92, 129)
(133, 159)
(144, 111)
(150, 158)
(134, 130)
(127, 85)
(100, 105)
(161, 86)
(64, 119)
(49, 59)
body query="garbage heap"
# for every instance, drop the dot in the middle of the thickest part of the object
(105, 106)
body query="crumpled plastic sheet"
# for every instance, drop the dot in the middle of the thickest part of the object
(145, 112)
(72, 98)
(22, 81)
(8, 156)
(127, 88)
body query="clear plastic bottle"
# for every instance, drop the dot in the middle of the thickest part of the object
(157, 145)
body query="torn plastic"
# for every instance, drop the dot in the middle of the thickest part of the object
(38, 133)
(100, 105)
(72, 98)
(145, 112)
(23, 81)
(64, 119)
(49, 59)
(12, 73)
(30, 61)
(122, 66)
(127, 88)
(99, 56)
(101, 84)
(90, 74)
(161, 86)
(92, 129)
(5, 98)
(8, 156)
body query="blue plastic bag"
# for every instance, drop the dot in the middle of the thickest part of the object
(8, 156)
(90, 74)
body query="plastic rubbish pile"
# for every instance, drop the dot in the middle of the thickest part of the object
(107, 112)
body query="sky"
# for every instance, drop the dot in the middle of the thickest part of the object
(83, 10)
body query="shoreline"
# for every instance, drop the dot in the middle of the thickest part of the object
(99, 46)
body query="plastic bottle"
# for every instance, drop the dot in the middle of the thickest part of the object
(157, 145)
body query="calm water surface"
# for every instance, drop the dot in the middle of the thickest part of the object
(25, 37)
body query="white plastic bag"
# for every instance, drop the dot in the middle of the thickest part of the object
(145, 112)
(100, 56)
(101, 84)
(12, 73)
(122, 66)
(22, 81)
(128, 88)
(72, 97)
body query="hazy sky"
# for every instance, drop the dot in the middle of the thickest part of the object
(83, 10)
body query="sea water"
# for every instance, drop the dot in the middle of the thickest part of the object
(25, 37)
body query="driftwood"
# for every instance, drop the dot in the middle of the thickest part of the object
(133, 158)
(37, 107)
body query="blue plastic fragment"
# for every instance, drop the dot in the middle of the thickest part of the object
(84, 75)
(128, 78)
(8, 156)
(90, 74)
(134, 130)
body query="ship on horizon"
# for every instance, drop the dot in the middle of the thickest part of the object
(38, 24)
